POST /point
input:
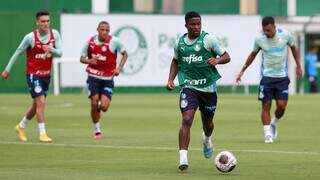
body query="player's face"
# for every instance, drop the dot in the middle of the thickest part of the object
(269, 30)
(194, 27)
(43, 23)
(103, 31)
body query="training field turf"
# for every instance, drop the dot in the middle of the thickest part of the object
(140, 140)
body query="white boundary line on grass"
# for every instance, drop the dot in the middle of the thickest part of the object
(158, 148)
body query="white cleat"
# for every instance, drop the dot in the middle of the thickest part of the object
(183, 165)
(268, 139)
(274, 131)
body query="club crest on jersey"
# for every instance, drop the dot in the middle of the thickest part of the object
(197, 47)
(104, 49)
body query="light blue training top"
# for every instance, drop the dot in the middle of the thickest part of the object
(274, 53)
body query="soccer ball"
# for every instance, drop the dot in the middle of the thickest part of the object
(225, 161)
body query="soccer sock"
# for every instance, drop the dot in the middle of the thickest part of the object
(267, 130)
(183, 156)
(207, 140)
(96, 127)
(274, 120)
(24, 122)
(42, 128)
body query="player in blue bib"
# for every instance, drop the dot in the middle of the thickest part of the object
(273, 43)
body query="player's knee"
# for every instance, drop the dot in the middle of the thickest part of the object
(281, 107)
(187, 121)
(94, 104)
(105, 107)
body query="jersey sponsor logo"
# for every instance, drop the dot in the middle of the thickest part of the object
(94, 71)
(99, 57)
(43, 56)
(192, 58)
(39, 72)
(137, 48)
(195, 81)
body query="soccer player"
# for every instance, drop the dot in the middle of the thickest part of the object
(274, 84)
(311, 60)
(100, 53)
(196, 54)
(41, 45)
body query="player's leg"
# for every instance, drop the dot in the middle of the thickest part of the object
(25, 121)
(188, 107)
(184, 137)
(207, 106)
(95, 115)
(281, 96)
(266, 118)
(266, 94)
(40, 109)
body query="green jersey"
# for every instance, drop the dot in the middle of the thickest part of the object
(193, 70)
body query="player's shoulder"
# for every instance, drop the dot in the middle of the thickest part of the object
(210, 37)
(261, 36)
(55, 32)
(115, 39)
(283, 32)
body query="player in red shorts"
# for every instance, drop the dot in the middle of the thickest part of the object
(41, 45)
(100, 53)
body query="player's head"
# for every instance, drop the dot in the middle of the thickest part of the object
(313, 49)
(268, 26)
(193, 23)
(103, 30)
(43, 20)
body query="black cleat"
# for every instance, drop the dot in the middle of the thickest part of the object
(183, 167)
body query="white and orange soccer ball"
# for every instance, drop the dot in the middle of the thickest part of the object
(225, 161)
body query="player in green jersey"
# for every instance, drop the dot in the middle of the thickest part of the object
(196, 55)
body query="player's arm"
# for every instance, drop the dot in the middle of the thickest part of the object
(124, 58)
(248, 62)
(172, 74)
(21, 48)
(122, 62)
(213, 44)
(84, 56)
(57, 50)
(296, 56)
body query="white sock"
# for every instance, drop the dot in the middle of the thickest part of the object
(274, 120)
(207, 140)
(24, 122)
(42, 128)
(267, 130)
(183, 156)
(96, 127)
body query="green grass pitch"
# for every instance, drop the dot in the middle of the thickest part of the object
(140, 140)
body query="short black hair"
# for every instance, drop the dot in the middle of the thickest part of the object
(103, 22)
(42, 13)
(267, 20)
(191, 14)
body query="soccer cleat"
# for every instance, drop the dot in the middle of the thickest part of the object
(268, 139)
(274, 131)
(21, 133)
(45, 138)
(207, 148)
(183, 165)
(97, 136)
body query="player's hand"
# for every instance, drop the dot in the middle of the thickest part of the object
(212, 61)
(92, 61)
(5, 75)
(299, 72)
(238, 79)
(116, 71)
(170, 85)
(46, 49)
